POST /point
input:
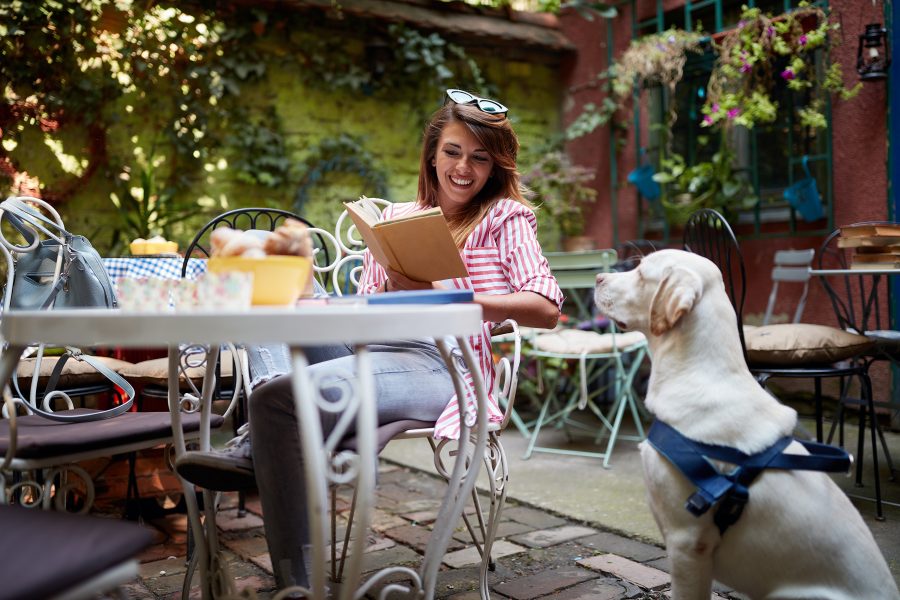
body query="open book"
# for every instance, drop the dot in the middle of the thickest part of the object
(419, 244)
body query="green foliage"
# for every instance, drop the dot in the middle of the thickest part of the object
(260, 152)
(343, 155)
(558, 188)
(763, 51)
(707, 184)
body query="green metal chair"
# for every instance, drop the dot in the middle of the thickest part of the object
(588, 363)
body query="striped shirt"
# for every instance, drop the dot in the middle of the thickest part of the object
(502, 256)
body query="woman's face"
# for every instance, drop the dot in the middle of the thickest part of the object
(462, 166)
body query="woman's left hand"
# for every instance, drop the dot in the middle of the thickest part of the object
(398, 281)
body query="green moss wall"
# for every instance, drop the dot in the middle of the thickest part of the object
(306, 112)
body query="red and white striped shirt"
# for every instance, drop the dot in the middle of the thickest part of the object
(502, 256)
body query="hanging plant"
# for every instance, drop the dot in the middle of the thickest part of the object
(763, 51)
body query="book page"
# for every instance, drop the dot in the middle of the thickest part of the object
(362, 217)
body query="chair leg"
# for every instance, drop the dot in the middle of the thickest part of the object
(873, 420)
(818, 401)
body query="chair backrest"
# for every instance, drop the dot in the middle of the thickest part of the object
(708, 234)
(263, 219)
(791, 266)
(576, 274)
(856, 300)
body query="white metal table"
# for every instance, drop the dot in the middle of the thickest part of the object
(356, 324)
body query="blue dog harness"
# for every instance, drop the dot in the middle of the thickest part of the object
(730, 490)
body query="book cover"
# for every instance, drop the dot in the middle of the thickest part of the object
(868, 241)
(870, 229)
(417, 244)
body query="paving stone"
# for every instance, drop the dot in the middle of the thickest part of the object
(228, 520)
(642, 575)
(504, 529)
(544, 582)
(264, 562)
(395, 556)
(382, 520)
(531, 516)
(662, 564)
(470, 555)
(454, 582)
(417, 537)
(247, 547)
(602, 588)
(616, 544)
(417, 505)
(550, 537)
(161, 568)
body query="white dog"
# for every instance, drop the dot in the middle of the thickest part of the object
(799, 536)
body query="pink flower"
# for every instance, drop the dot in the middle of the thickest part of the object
(787, 74)
(733, 113)
(745, 66)
(770, 31)
(803, 40)
(715, 108)
(708, 120)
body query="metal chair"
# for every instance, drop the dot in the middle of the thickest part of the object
(708, 234)
(791, 266)
(606, 363)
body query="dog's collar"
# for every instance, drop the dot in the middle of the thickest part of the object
(730, 490)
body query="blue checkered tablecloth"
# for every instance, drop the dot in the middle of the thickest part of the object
(139, 267)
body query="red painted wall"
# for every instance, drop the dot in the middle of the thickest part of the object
(859, 141)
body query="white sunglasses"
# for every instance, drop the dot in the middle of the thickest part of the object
(484, 104)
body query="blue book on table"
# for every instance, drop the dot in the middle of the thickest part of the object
(422, 297)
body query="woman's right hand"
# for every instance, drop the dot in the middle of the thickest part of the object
(397, 281)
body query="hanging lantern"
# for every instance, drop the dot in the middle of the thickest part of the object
(873, 56)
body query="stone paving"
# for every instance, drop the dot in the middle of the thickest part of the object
(538, 554)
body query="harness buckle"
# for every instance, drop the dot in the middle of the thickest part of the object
(697, 504)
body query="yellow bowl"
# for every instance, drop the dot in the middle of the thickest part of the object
(277, 280)
(144, 248)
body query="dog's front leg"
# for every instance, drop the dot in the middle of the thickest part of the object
(692, 566)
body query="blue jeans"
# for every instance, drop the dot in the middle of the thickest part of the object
(411, 382)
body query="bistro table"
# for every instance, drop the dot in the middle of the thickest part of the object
(354, 323)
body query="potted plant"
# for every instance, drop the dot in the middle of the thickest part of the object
(558, 188)
(764, 50)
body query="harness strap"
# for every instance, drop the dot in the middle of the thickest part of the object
(731, 490)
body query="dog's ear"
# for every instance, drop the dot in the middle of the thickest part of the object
(676, 295)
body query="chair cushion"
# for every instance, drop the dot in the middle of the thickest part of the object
(575, 341)
(803, 343)
(74, 372)
(42, 438)
(47, 553)
(156, 371)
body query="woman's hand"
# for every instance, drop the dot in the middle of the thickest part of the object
(398, 281)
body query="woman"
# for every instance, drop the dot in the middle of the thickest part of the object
(468, 168)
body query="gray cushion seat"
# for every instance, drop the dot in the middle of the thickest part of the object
(48, 553)
(38, 437)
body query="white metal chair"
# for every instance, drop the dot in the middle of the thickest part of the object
(40, 453)
(791, 266)
(603, 363)
(506, 370)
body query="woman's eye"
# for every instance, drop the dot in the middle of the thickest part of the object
(452, 153)
(481, 159)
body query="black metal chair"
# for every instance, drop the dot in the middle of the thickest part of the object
(708, 234)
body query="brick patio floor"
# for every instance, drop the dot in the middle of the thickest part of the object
(539, 554)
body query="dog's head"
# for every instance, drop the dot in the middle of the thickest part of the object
(654, 296)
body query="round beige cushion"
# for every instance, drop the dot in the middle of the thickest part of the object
(803, 343)
(576, 341)
(156, 371)
(74, 372)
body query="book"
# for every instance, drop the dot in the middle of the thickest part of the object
(870, 229)
(885, 257)
(876, 265)
(422, 297)
(868, 241)
(418, 244)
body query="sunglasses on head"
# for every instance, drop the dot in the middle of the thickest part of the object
(484, 104)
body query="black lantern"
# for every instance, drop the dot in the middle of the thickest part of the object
(873, 56)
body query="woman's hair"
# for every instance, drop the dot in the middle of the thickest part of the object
(496, 136)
